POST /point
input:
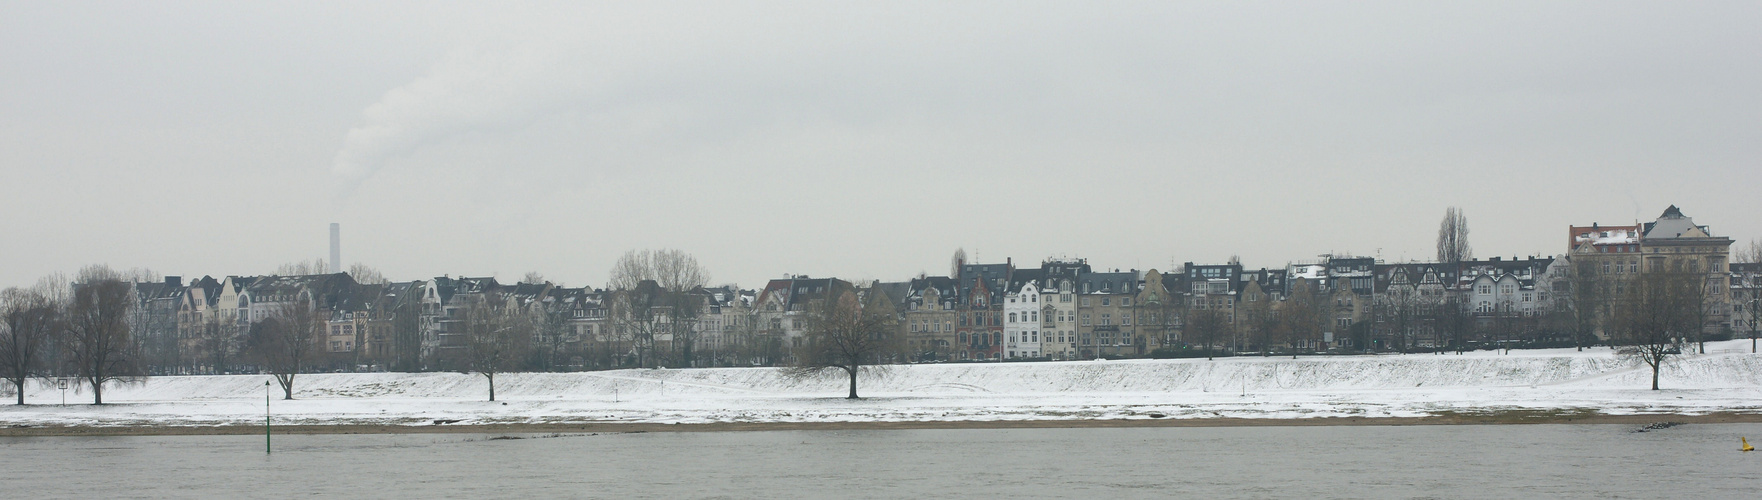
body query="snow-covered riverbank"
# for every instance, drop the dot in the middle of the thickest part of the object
(1727, 379)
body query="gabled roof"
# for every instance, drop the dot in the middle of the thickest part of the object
(1524, 271)
(946, 291)
(898, 292)
(323, 286)
(801, 290)
(996, 279)
(1023, 277)
(1673, 224)
(210, 289)
(1114, 282)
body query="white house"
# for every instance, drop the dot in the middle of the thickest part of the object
(1021, 322)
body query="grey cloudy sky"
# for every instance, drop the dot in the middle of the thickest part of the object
(858, 140)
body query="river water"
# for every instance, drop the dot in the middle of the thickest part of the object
(1509, 461)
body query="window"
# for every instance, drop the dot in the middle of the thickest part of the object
(1085, 301)
(1106, 319)
(1064, 297)
(1126, 301)
(1034, 315)
(1012, 317)
(1104, 301)
(1126, 319)
(1484, 289)
(1085, 319)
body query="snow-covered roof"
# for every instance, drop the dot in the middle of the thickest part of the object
(1314, 271)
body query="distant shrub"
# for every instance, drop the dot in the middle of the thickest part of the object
(1188, 352)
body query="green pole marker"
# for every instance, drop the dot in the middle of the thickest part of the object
(266, 417)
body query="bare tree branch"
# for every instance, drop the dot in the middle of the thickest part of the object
(496, 338)
(97, 340)
(841, 336)
(28, 323)
(286, 341)
(1453, 238)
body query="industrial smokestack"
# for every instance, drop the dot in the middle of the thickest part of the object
(336, 248)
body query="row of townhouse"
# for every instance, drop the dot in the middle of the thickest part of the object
(203, 327)
(1060, 309)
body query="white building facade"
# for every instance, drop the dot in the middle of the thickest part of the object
(1021, 323)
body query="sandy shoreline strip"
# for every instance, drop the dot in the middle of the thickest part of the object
(1490, 418)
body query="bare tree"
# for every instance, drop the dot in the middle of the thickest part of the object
(1658, 312)
(1750, 253)
(1304, 316)
(554, 335)
(217, 339)
(841, 336)
(406, 325)
(1453, 238)
(97, 340)
(496, 338)
(287, 340)
(1453, 322)
(672, 309)
(303, 268)
(1750, 308)
(638, 315)
(365, 274)
(533, 278)
(1401, 312)
(1585, 302)
(955, 262)
(754, 345)
(1206, 326)
(1261, 318)
(672, 269)
(30, 322)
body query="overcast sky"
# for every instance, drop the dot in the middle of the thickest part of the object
(862, 141)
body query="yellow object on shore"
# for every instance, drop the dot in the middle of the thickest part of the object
(1747, 446)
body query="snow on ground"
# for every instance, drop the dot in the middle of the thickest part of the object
(1728, 378)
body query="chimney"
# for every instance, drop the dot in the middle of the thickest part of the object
(336, 248)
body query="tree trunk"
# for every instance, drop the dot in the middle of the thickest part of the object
(20, 386)
(853, 383)
(98, 393)
(492, 385)
(287, 385)
(1655, 367)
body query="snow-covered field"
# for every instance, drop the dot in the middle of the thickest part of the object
(1728, 378)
